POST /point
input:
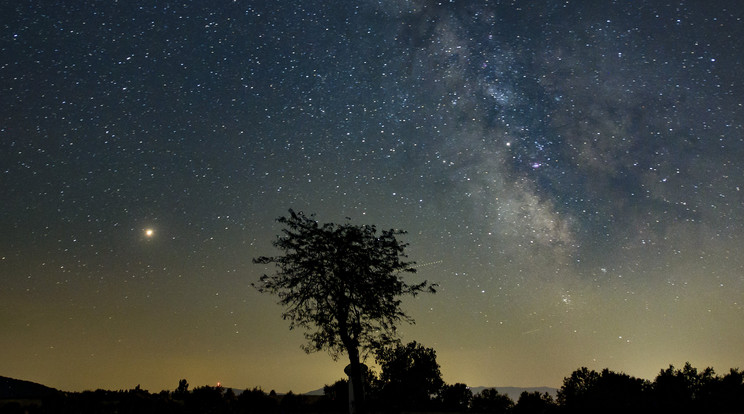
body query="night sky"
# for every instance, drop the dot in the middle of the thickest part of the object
(569, 172)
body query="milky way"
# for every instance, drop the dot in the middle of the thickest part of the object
(570, 173)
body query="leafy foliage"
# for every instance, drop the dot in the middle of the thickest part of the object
(490, 401)
(534, 402)
(577, 385)
(685, 390)
(588, 391)
(342, 283)
(455, 397)
(410, 376)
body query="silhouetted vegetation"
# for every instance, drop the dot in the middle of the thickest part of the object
(490, 401)
(342, 283)
(455, 398)
(685, 390)
(534, 403)
(409, 379)
(673, 391)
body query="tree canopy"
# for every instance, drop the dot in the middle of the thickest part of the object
(491, 401)
(342, 283)
(410, 375)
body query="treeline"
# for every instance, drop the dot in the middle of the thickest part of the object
(409, 382)
(685, 390)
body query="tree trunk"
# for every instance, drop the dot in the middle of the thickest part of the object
(354, 370)
(356, 381)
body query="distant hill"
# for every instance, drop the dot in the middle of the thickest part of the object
(11, 388)
(319, 391)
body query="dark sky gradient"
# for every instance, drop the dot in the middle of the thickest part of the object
(570, 174)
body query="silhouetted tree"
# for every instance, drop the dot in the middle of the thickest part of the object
(609, 392)
(575, 388)
(619, 393)
(534, 403)
(337, 390)
(182, 389)
(342, 283)
(672, 391)
(256, 401)
(686, 389)
(455, 397)
(206, 399)
(292, 403)
(336, 396)
(491, 401)
(230, 398)
(409, 376)
(728, 393)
